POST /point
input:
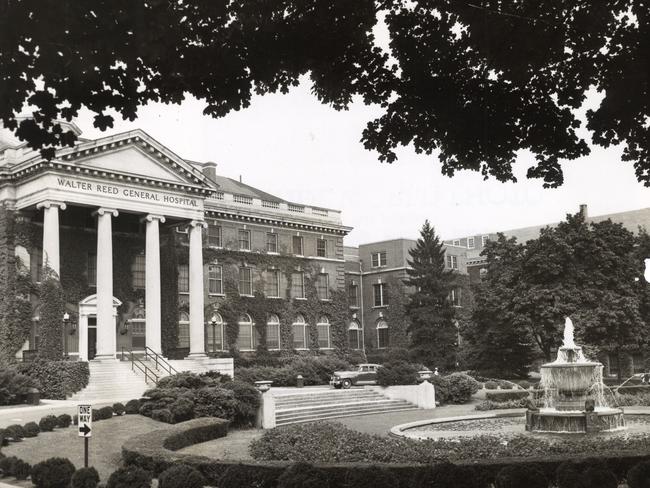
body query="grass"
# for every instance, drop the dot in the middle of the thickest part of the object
(104, 446)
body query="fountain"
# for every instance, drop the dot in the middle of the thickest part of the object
(574, 400)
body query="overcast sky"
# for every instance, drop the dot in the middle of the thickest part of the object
(302, 151)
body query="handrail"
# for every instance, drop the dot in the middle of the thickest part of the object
(159, 358)
(137, 363)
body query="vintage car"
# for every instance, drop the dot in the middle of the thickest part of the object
(365, 374)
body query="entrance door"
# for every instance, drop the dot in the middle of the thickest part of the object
(92, 337)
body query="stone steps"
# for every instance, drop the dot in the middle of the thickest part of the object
(310, 406)
(112, 380)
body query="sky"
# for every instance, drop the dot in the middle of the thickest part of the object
(300, 150)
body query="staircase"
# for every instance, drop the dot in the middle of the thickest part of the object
(309, 406)
(111, 381)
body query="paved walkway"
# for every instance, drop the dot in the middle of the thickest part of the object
(21, 414)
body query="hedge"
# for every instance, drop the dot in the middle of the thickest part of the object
(155, 452)
(506, 395)
(15, 386)
(57, 379)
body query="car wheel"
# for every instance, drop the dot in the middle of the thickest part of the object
(346, 384)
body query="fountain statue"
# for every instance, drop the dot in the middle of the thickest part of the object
(574, 399)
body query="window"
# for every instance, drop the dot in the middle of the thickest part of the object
(299, 329)
(382, 334)
(138, 272)
(245, 337)
(215, 279)
(297, 245)
(484, 240)
(183, 330)
(470, 243)
(322, 286)
(244, 240)
(214, 333)
(378, 259)
(354, 335)
(214, 235)
(379, 292)
(455, 297)
(353, 295)
(273, 283)
(183, 278)
(271, 242)
(321, 248)
(297, 285)
(273, 332)
(452, 261)
(91, 269)
(456, 242)
(323, 329)
(245, 281)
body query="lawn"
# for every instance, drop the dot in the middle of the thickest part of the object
(105, 444)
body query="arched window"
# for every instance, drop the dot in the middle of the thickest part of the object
(245, 337)
(382, 334)
(273, 332)
(354, 335)
(214, 333)
(300, 333)
(323, 329)
(183, 329)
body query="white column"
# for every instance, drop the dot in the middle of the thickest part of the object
(152, 282)
(51, 253)
(197, 340)
(106, 342)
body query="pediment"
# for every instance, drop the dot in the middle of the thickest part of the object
(131, 160)
(91, 301)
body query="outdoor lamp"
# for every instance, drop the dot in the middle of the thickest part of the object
(66, 318)
(213, 322)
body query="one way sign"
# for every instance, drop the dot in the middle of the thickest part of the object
(84, 414)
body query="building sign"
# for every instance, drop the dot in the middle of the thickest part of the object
(142, 195)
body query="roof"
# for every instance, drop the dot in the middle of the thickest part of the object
(229, 185)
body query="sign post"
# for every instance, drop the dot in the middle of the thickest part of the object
(85, 424)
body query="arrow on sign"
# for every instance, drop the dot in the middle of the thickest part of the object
(85, 430)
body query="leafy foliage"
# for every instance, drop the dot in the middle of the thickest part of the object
(129, 477)
(52, 473)
(477, 83)
(85, 478)
(455, 388)
(14, 386)
(520, 475)
(303, 475)
(57, 379)
(397, 373)
(181, 476)
(52, 302)
(432, 329)
(47, 423)
(31, 429)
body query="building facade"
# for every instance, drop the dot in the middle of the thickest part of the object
(155, 251)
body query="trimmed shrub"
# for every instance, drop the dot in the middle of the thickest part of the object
(446, 474)
(3, 440)
(490, 385)
(181, 476)
(525, 384)
(21, 469)
(639, 475)
(129, 477)
(163, 415)
(303, 475)
(118, 408)
(188, 380)
(63, 421)
(132, 407)
(15, 432)
(52, 473)
(238, 475)
(31, 429)
(215, 402)
(490, 405)
(247, 399)
(455, 388)
(518, 475)
(315, 370)
(397, 373)
(14, 386)
(7, 465)
(105, 413)
(57, 379)
(47, 423)
(85, 478)
(596, 477)
(505, 396)
(567, 475)
(371, 477)
(182, 409)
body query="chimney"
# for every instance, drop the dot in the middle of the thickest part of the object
(209, 169)
(583, 210)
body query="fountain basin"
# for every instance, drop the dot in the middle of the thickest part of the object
(568, 383)
(574, 421)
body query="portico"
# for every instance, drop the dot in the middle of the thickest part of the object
(105, 176)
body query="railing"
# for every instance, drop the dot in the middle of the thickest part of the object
(267, 204)
(137, 363)
(242, 199)
(160, 361)
(295, 208)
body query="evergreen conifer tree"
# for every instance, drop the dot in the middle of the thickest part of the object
(433, 333)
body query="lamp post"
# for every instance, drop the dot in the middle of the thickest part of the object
(213, 322)
(66, 321)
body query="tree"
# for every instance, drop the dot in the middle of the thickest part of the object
(496, 343)
(477, 81)
(432, 329)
